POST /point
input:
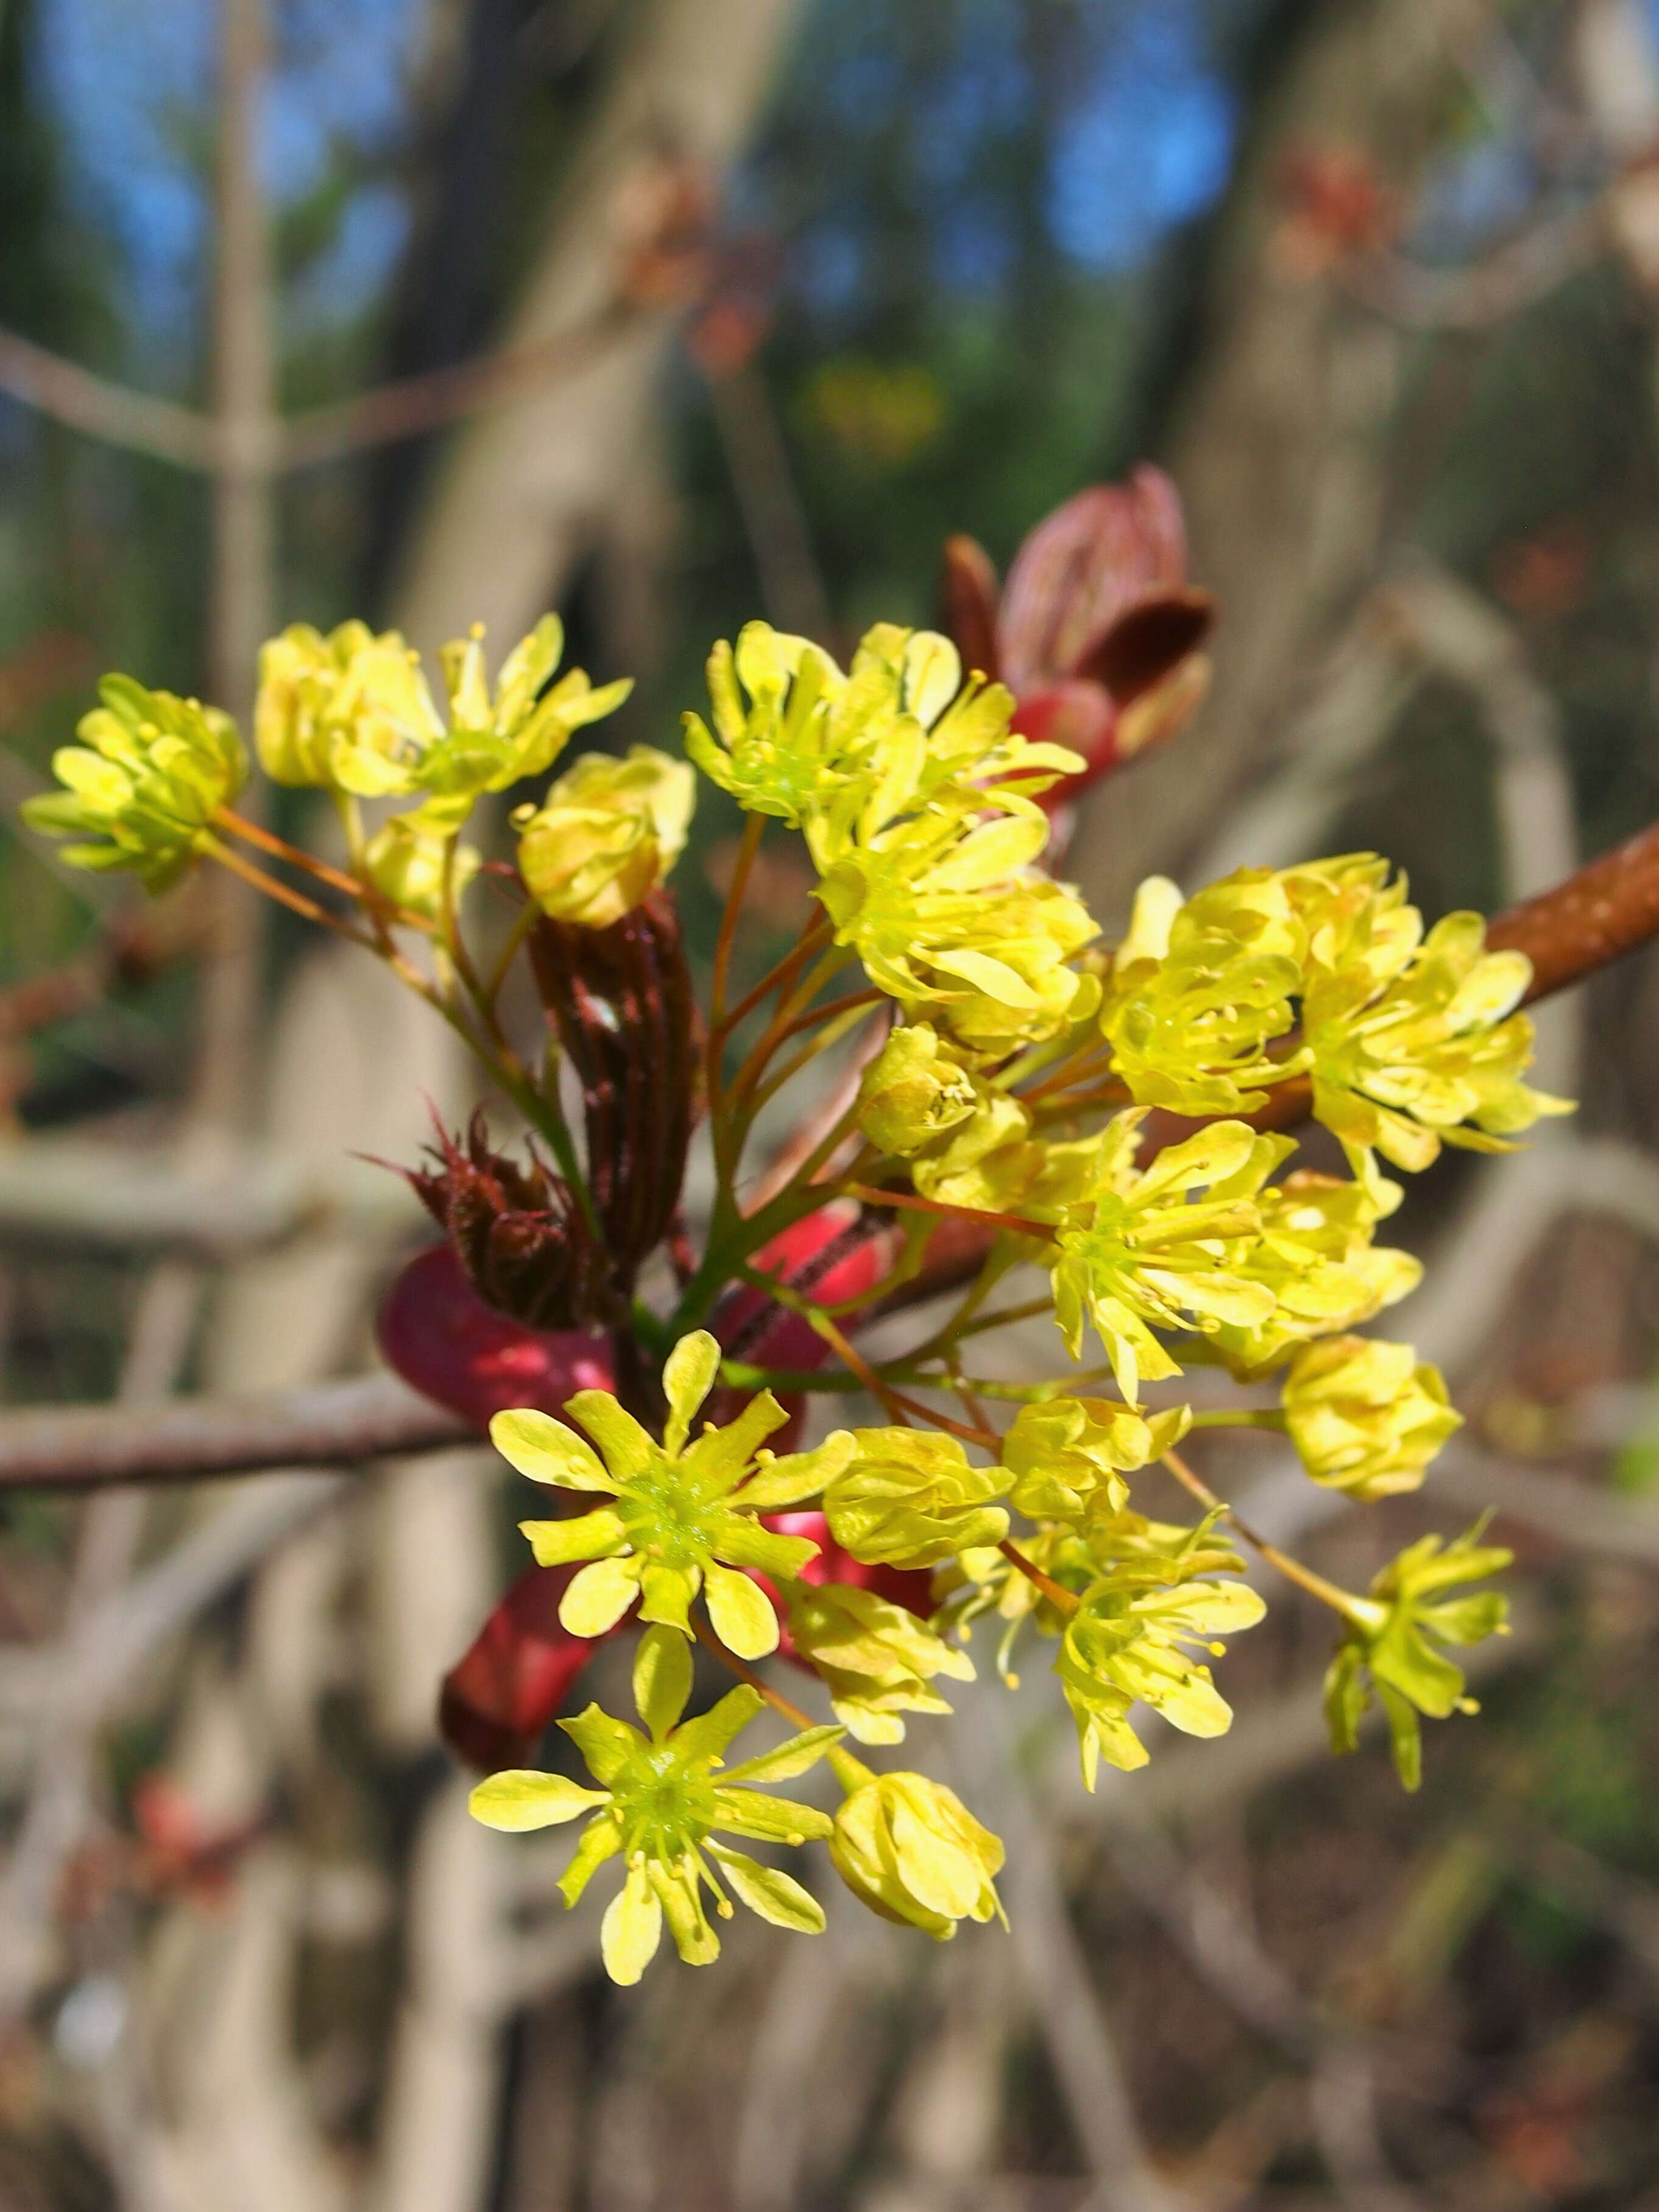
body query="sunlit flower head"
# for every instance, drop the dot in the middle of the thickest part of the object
(659, 1807)
(681, 1517)
(605, 836)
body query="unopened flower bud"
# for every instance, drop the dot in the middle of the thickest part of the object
(912, 1092)
(606, 835)
(1365, 1417)
(1070, 1454)
(909, 1498)
(911, 1851)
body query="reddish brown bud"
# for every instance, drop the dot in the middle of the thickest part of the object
(969, 590)
(517, 1231)
(622, 1001)
(1098, 632)
(1083, 569)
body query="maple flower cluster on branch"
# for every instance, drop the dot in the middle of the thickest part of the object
(1010, 1061)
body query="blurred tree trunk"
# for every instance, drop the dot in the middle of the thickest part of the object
(522, 493)
(1276, 434)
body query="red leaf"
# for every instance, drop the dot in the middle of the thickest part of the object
(834, 1253)
(968, 588)
(514, 1675)
(442, 1339)
(1081, 568)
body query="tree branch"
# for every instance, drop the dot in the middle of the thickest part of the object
(81, 1448)
(1602, 911)
(438, 397)
(75, 396)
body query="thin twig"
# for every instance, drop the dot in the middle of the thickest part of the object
(792, 583)
(1339, 1601)
(979, 1217)
(84, 401)
(1059, 1596)
(437, 397)
(791, 1711)
(409, 407)
(59, 1798)
(1064, 2004)
(315, 1424)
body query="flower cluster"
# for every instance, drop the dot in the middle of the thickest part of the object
(1200, 990)
(1002, 1120)
(141, 788)
(917, 801)
(1413, 1041)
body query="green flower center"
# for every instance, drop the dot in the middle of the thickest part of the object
(663, 1807)
(666, 1519)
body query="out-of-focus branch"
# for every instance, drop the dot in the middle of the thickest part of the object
(1526, 270)
(73, 1192)
(50, 659)
(438, 397)
(130, 945)
(162, 1599)
(83, 401)
(1081, 2047)
(241, 592)
(408, 408)
(791, 580)
(110, 1530)
(318, 1424)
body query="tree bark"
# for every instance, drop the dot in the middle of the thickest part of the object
(521, 493)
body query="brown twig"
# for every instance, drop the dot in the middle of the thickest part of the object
(75, 396)
(791, 580)
(1526, 269)
(438, 397)
(979, 1217)
(84, 401)
(1602, 911)
(129, 948)
(318, 1424)
(1059, 1596)
(787, 1706)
